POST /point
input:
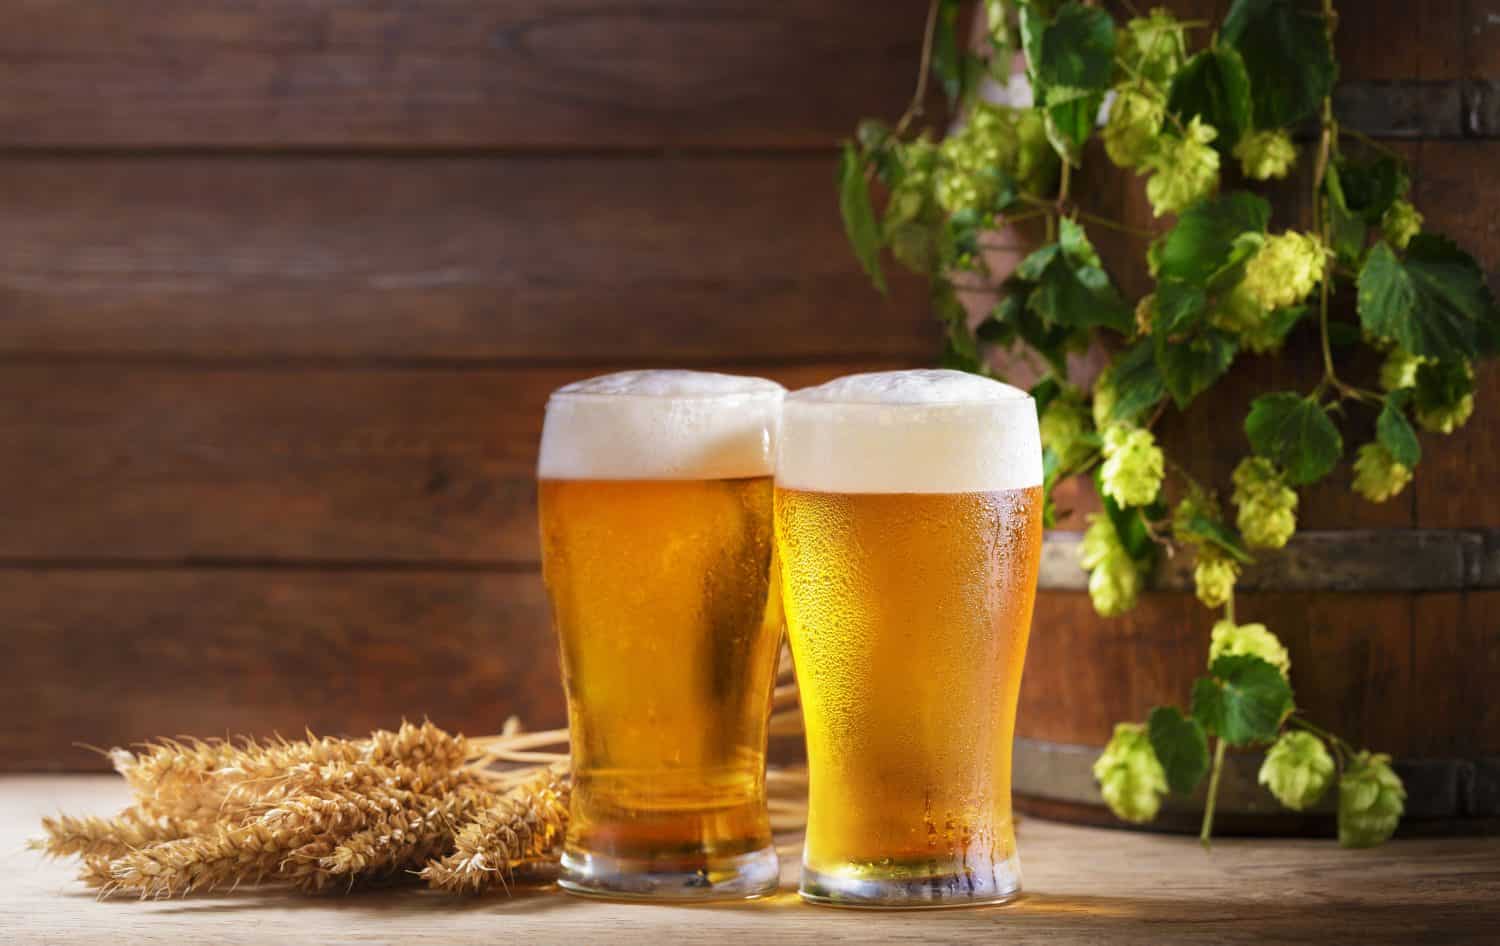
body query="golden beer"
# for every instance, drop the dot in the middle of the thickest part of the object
(656, 553)
(908, 528)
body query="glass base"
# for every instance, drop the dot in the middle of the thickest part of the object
(908, 892)
(744, 877)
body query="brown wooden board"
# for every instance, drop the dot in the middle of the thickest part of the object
(1362, 664)
(109, 463)
(451, 73)
(110, 657)
(520, 258)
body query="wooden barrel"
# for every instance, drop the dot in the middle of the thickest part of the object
(1391, 612)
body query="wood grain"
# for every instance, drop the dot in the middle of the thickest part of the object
(1354, 666)
(1083, 885)
(112, 463)
(556, 74)
(577, 259)
(108, 657)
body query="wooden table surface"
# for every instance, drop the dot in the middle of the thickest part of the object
(1083, 885)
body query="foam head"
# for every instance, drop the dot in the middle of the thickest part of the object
(910, 432)
(661, 425)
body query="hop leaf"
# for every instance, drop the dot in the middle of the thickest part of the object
(1135, 119)
(1266, 154)
(1400, 223)
(1230, 640)
(1285, 270)
(1186, 169)
(1243, 701)
(1377, 474)
(1214, 576)
(1266, 508)
(1133, 465)
(1065, 428)
(1114, 579)
(1297, 770)
(1130, 776)
(1371, 801)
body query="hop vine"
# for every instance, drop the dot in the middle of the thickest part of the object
(1203, 112)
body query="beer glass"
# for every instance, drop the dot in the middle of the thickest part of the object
(908, 531)
(655, 497)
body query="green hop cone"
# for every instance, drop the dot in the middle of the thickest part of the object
(1037, 162)
(1195, 505)
(1104, 398)
(1377, 475)
(1145, 313)
(1135, 119)
(1151, 47)
(1285, 270)
(1443, 408)
(1297, 770)
(1114, 579)
(1186, 169)
(1129, 774)
(1447, 418)
(1239, 312)
(1399, 370)
(1231, 640)
(1133, 465)
(1266, 508)
(995, 20)
(1266, 154)
(1214, 575)
(1065, 428)
(1371, 800)
(1400, 223)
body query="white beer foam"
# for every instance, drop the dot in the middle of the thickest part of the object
(934, 431)
(683, 425)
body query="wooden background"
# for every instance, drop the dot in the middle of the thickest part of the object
(284, 285)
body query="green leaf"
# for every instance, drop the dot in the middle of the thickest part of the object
(1130, 526)
(947, 52)
(1244, 701)
(1071, 61)
(1137, 381)
(1075, 243)
(1044, 392)
(1434, 303)
(859, 216)
(1369, 188)
(1296, 434)
(1208, 237)
(1073, 296)
(1078, 49)
(1014, 310)
(1291, 65)
(1220, 536)
(1190, 367)
(1180, 746)
(1214, 85)
(1347, 230)
(1180, 307)
(1395, 432)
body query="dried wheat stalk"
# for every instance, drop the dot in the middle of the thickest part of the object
(325, 814)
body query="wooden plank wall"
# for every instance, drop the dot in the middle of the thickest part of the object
(284, 285)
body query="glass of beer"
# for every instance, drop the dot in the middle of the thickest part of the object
(908, 532)
(655, 497)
